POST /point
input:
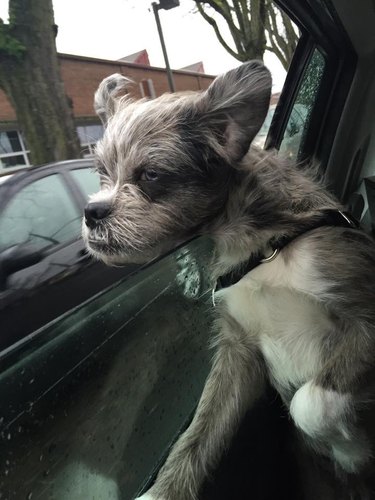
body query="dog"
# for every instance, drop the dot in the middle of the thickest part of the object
(298, 308)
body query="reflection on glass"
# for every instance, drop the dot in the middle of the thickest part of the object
(299, 118)
(93, 401)
(42, 213)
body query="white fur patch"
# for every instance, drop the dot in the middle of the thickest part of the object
(296, 272)
(147, 496)
(290, 324)
(318, 412)
(106, 195)
(325, 415)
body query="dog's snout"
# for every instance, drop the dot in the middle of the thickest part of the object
(96, 211)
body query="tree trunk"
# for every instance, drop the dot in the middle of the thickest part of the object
(31, 79)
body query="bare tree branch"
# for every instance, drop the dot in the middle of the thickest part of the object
(251, 23)
(213, 23)
(283, 37)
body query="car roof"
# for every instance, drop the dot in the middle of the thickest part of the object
(9, 178)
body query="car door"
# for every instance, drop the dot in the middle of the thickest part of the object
(40, 249)
(45, 267)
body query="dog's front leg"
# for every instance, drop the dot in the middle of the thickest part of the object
(236, 380)
(324, 408)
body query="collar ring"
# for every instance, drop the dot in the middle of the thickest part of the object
(271, 257)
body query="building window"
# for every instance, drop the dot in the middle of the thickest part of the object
(13, 153)
(88, 136)
(147, 88)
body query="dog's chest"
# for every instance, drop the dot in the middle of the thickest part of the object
(288, 324)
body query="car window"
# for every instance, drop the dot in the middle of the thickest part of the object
(300, 115)
(87, 179)
(93, 401)
(260, 138)
(41, 213)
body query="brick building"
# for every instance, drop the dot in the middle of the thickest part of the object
(81, 77)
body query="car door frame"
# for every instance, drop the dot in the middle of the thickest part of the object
(320, 29)
(75, 188)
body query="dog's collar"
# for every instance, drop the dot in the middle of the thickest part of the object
(325, 218)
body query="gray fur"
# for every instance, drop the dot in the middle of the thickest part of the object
(106, 97)
(179, 166)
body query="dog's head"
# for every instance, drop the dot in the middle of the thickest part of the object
(166, 164)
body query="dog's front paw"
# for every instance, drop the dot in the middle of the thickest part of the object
(321, 413)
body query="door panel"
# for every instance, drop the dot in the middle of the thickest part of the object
(92, 403)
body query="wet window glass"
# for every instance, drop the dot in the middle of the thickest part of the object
(92, 402)
(300, 114)
(42, 214)
(261, 136)
(88, 180)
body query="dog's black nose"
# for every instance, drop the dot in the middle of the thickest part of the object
(96, 211)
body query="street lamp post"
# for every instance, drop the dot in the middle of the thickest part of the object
(166, 5)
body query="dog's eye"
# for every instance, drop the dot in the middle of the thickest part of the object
(149, 175)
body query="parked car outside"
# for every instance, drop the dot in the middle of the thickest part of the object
(45, 269)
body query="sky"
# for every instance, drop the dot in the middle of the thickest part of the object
(111, 29)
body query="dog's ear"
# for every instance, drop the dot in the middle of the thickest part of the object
(236, 104)
(108, 94)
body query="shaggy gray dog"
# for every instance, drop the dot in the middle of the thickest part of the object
(303, 320)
